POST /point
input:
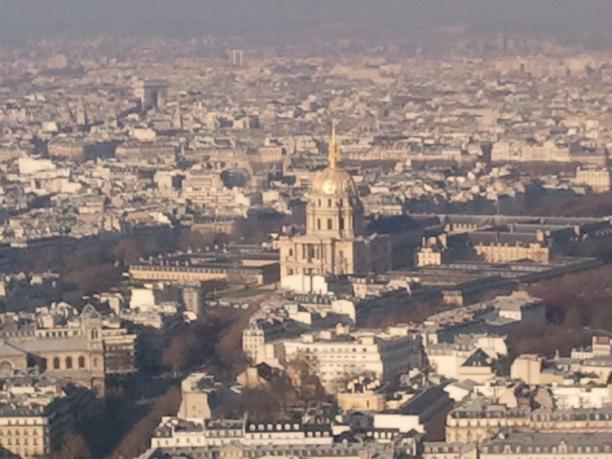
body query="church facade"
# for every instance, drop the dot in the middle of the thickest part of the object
(83, 353)
(334, 242)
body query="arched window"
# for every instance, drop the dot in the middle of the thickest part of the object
(6, 368)
(68, 362)
(56, 363)
(95, 362)
(94, 333)
(81, 361)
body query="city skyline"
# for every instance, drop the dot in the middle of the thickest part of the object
(316, 229)
(569, 21)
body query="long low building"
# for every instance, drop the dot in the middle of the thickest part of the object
(192, 433)
(254, 268)
(340, 450)
(504, 239)
(548, 445)
(477, 421)
(534, 445)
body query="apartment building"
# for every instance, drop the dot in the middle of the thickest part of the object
(336, 357)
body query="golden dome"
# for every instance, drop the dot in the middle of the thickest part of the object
(334, 182)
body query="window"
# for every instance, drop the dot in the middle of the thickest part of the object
(68, 362)
(81, 361)
(318, 223)
(56, 363)
(341, 223)
(329, 224)
(6, 367)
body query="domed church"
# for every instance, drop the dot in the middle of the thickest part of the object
(334, 242)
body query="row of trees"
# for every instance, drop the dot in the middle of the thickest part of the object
(136, 441)
(214, 341)
(96, 264)
(589, 205)
(579, 306)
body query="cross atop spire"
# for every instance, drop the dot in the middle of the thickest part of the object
(333, 152)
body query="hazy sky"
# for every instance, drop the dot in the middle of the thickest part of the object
(33, 19)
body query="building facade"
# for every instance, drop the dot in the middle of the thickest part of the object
(334, 242)
(337, 357)
(83, 353)
(472, 423)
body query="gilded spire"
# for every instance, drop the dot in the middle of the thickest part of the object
(333, 152)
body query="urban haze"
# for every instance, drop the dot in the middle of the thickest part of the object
(305, 229)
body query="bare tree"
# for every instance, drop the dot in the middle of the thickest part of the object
(137, 439)
(73, 447)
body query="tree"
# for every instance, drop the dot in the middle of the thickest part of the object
(578, 307)
(261, 404)
(177, 356)
(73, 447)
(94, 278)
(128, 251)
(229, 348)
(196, 240)
(302, 374)
(137, 439)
